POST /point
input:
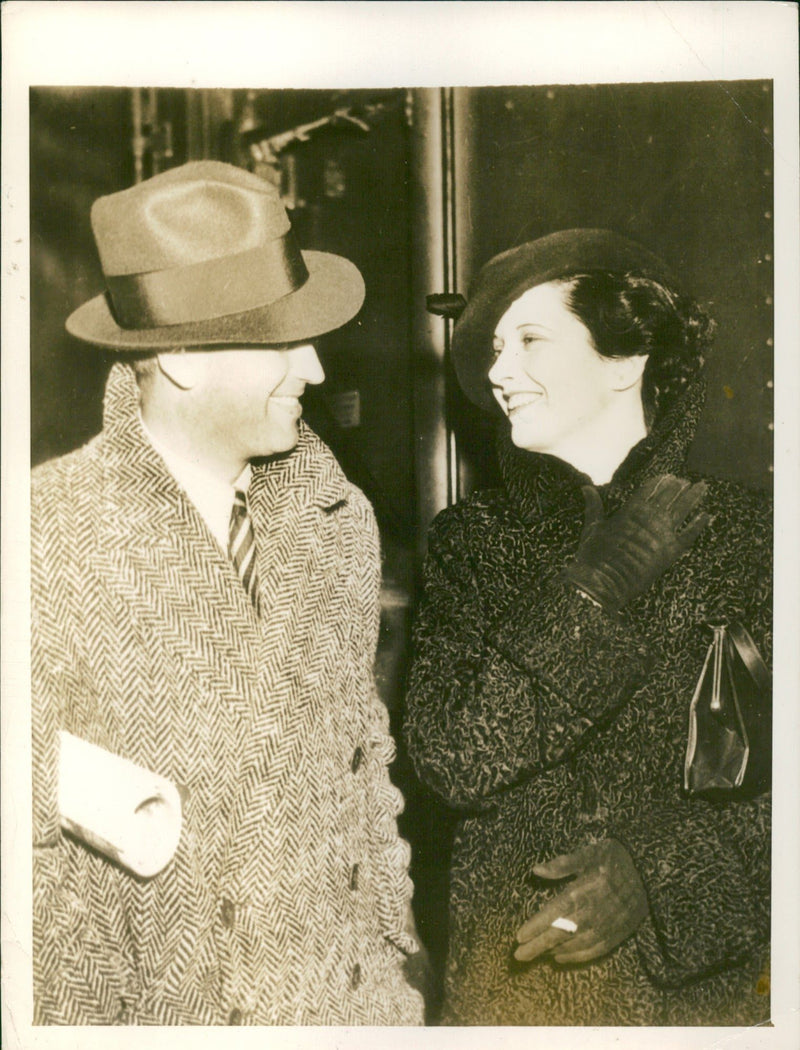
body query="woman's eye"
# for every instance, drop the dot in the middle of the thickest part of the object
(497, 350)
(528, 339)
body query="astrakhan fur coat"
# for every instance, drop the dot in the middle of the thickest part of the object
(550, 724)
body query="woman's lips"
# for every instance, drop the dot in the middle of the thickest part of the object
(516, 402)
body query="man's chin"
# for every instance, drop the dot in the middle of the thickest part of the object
(278, 446)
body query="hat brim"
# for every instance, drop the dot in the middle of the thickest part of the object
(332, 296)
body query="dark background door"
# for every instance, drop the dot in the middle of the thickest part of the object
(684, 168)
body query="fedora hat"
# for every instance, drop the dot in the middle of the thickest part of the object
(506, 276)
(204, 255)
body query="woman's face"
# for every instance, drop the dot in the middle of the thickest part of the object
(557, 391)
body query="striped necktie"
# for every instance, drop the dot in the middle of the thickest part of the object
(242, 546)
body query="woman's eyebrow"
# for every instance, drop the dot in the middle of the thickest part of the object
(533, 324)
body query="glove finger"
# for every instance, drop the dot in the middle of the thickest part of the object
(689, 534)
(593, 505)
(580, 948)
(560, 867)
(540, 924)
(666, 491)
(687, 501)
(538, 945)
(648, 488)
(645, 492)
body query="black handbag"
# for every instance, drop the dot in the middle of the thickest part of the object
(729, 751)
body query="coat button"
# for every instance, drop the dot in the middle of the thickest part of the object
(354, 877)
(355, 977)
(358, 758)
(235, 1016)
(228, 913)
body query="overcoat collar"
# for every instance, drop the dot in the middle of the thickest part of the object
(154, 542)
(309, 470)
(539, 485)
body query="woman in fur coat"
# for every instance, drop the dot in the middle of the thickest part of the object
(563, 629)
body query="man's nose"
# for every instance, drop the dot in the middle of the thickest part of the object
(305, 364)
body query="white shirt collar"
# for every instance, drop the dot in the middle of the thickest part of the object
(212, 498)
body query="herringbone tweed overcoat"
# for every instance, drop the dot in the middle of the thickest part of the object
(286, 902)
(551, 724)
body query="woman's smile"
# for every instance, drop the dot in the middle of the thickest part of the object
(517, 401)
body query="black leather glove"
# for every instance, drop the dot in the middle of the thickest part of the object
(619, 557)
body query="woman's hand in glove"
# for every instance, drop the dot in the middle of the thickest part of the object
(605, 902)
(619, 557)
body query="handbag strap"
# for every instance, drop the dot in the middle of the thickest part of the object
(751, 657)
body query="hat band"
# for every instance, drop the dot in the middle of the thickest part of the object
(206, 290)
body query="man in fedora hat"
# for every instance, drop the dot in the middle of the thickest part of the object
(205, 606)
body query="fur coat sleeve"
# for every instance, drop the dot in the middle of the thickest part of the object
(552, 723)
(500, 690)
(706, 865)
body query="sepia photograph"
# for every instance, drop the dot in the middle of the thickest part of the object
(400, 476)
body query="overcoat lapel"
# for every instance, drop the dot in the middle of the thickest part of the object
(294, 501)
(166, 576)
(182, 647)
(170, 570)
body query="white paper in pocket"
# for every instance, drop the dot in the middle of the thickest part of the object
(126, 812)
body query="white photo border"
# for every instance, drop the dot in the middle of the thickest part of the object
(382, 44)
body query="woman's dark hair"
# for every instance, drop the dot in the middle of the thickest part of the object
(627, 314)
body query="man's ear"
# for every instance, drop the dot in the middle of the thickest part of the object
(182, 369)
(627, 371)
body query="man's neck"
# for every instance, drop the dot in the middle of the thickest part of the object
(168, 434)
(211, 496)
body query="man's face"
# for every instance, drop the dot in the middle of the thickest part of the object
(246, 402)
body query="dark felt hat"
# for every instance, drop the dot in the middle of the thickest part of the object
(204, 255)
(505, 277)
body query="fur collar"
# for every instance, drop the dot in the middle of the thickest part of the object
(538, 485)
